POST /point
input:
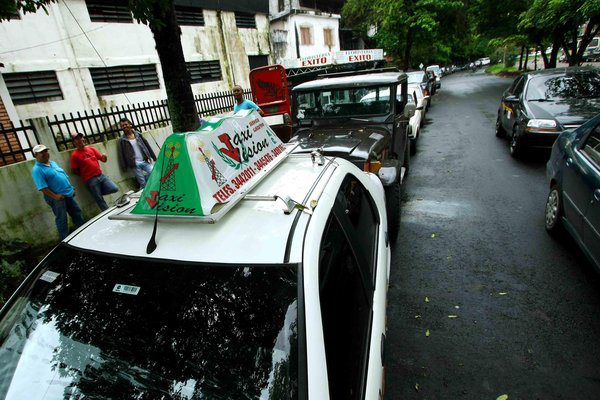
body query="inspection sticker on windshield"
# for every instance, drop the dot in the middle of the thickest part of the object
(49, 276)
(126, 289)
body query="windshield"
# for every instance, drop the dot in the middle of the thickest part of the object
(576, 85)
(95, 326)
(415, 78)
(343, 103)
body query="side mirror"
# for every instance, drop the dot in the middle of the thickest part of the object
(409, 110)
(287, 119)
(419, 108)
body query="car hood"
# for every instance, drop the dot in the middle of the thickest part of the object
(566, 111)
(350, 143)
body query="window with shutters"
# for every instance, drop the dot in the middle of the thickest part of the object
(305, 35)
(109, 11)
(258, 61)
(33, 87)
(204, 71)
(328, 37)
(125, 78)
(245, 20)
(191, 16)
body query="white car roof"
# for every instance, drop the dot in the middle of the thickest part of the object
(251, 232)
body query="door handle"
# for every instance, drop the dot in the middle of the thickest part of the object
(569, 162)
(597, 195)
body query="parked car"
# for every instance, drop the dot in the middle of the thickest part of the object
(484, 61)
(426, 80)
(363, 117)
(284, 296)
(538, 106)
(415, 95)
(438, 75)
(573, 173)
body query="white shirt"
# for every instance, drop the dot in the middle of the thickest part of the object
(139, 156)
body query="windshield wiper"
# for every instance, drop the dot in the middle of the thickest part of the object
(360, 119)
(540, 100)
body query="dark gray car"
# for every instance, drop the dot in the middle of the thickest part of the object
(362, 117)
(538, 106)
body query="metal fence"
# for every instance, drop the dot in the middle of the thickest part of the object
(103, 124)
(15, 142)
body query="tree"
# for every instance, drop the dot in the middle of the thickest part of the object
(557, 22)
(399, 23)
(159, 15)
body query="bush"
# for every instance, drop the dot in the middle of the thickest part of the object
(15, 256)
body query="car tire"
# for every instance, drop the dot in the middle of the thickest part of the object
(515, 146)
(500, 132)
(392, 206)
(554, 212)
(406, 163)
(413, 146)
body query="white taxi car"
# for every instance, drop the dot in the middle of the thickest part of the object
(277, 293)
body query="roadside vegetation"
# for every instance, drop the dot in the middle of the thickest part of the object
(501, 69)
(446, 32)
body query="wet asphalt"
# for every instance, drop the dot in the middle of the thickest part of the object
(482, 301)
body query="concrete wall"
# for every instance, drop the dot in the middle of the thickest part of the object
(66, 41)
(25, 215)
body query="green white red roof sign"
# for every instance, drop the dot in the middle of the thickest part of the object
(197, 171)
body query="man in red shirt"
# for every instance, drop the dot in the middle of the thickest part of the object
(84, 162)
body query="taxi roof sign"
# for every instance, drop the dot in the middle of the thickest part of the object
(202, 174)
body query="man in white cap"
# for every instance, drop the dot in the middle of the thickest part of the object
(84, 162)
(54, 183)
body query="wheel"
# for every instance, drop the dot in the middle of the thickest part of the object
(500, 132)
(413, 146)
(515, 146)
(406, 164)
(392, 208)
(553, 211)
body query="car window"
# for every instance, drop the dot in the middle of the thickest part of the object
(591, 146)
(518, 88)
(575, 85)
(343, 103)
(99, 326)
(347, 263)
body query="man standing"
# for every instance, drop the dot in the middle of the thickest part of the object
(135, 152)
(84, 162)
(58, 192)
(243, 104)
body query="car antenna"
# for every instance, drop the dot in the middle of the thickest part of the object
(152, 242)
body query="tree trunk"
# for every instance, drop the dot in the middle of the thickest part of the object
(521, 58)
(407, 49)
(526, 58)
(180, 99)
(535, 58)
(544, 56)
(591, 28)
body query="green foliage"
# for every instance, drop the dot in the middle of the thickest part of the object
(11, 273)
(501, 69)
(150, 12)
(8, 7)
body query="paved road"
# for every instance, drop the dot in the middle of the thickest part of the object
(473, 245)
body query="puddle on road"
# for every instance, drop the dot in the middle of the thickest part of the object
(437, 209)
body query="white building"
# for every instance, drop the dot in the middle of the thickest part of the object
(87, 54)
(304, 28)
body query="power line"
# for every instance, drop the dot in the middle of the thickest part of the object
(91, 44)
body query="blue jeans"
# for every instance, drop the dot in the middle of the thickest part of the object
(60, 208)
(142, 170)
(99, 186)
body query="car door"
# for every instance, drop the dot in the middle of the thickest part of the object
(510, 104)
(352, 311)
(577, 192)
(590, 151)
(400, 136)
